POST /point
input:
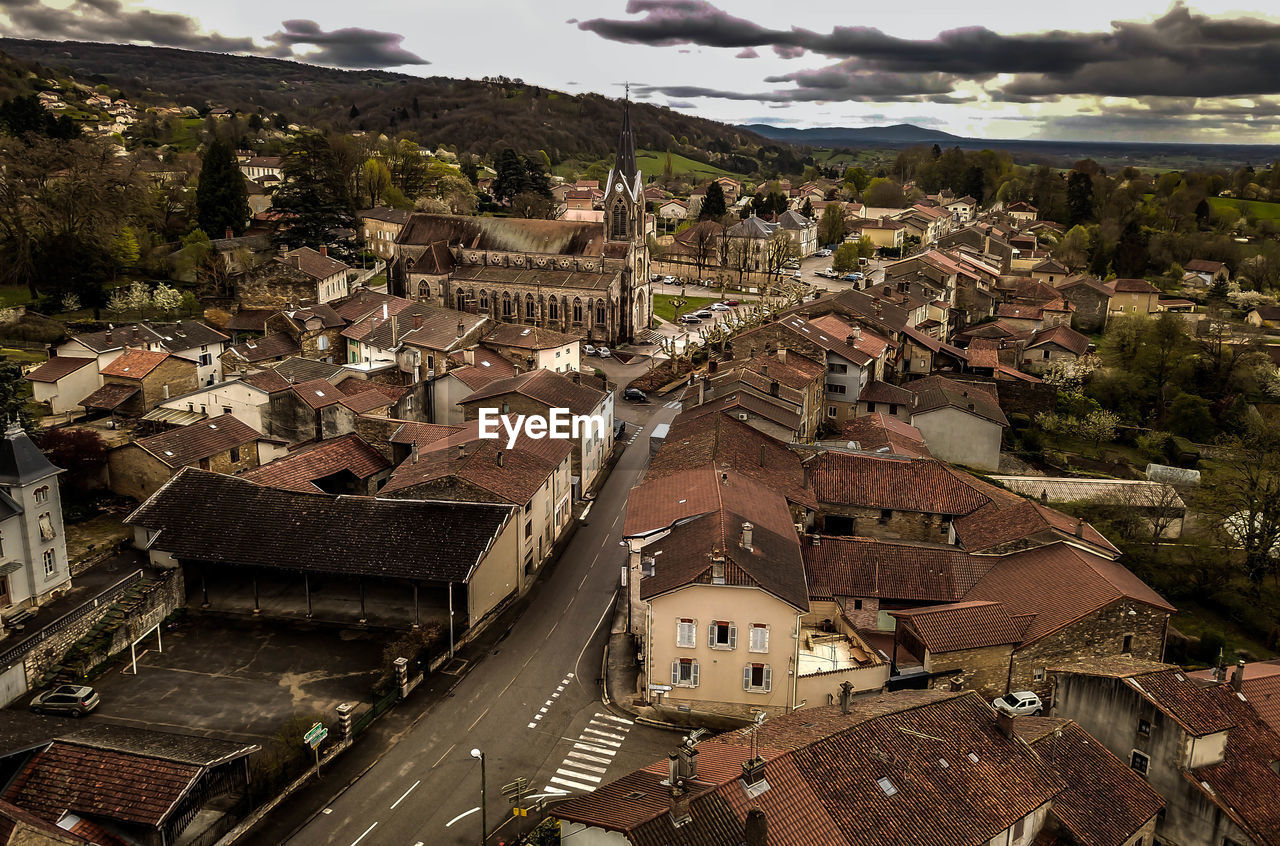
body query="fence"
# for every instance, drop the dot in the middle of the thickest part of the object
(107, 597)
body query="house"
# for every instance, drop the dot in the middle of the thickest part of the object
(342, 465)
(1260, 685)
(880, 433)
(293, 278)
(786, 377)
(112, 784)
(802, 231)
(964, 208)
(32, 540)
(883, 398)
(137, 381)
(469, 370)
(402, 560)
(961, 422)
(673, 210)
(1057, 343)
(381, 227)
(186, 338)
(257, 353)
(1091, 299)
(539, 392)
(1209, 272)
(884, 233)
(222, 444)
(63, 381)
(1132, 296)
(1050, 271)
(928, 223)
(317, 331)
(256, 167)
(732, 188)
(1196, 742)
(910, 767)
(535, 475)
(1023, 213)
(535, 348)
(715, 553)
(776, 417)
(1264, 317)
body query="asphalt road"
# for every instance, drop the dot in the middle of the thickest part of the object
(533, 705)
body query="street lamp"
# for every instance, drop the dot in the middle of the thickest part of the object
(484, 814)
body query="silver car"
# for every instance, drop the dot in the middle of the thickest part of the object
(75, 700)
(1021, 703)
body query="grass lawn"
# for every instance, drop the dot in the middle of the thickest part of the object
(14, 295)
(1195, 620)
(22, 356)
(651, 163)
(664, 305)
(1247, 208)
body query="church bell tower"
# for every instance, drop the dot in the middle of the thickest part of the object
(624, 223)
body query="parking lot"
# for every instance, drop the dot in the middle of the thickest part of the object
(240, 676)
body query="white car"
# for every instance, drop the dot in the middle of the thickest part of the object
(603, 352)
(823, 253)
(670, 280)
(587, 349)
(1020, 703)
(797, 276)
(721, 307)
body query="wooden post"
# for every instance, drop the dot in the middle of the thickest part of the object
(415, 605)
(306, 586)
(256, 608)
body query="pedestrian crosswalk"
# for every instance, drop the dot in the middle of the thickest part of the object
(584, 767)
(635, 433)
(546, 706)
(671, 404)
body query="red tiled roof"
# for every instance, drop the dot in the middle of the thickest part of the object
(899, 484)
(318, 393)
(134, 364)
(511, 475)
(1132, 286)
(366, 400)
(878, 432)
(934, 392)
(1261, 686)
(57, 367)
(189, 444)
(275, 345)
(298, 470)
(487, 367)
(775, 410)
(1062, 335)
(866, 341)
(551, 389)
(877, 391)
(861, 567)
(962, 625)
(984, 352)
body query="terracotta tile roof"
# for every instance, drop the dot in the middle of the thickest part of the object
(366, 401)
(68, 777)
(984, 352)
(962, 625)
(1105, 802)
(58, 367)
(487, 367)
(1062, 335)
(210, 517)
(11, 815)
(861, 567)
(110, 396)
(1261, 686)
(720, 441)
(275, 345)
(921, 484)
(134, 364)
(267, 380)
(546, 387)
(879, 432)
(422, 434)
(1203, 266)
(796, 372)
(747, 401)
(838, 345)
(511, 475)
(1132, 286)
(934, 392)
(866, 341)
(877, 391)
(365, 302)
(300, 469)
(1060, 584)
(189, 444)
(1010, 517)
(527, 337)
(824, 772)
(250, 319)
(1022, 312)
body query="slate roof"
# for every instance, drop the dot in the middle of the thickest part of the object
(934, 392)
(554, 390)
(275, 345)
(164, 745)
(298, 369)
(134, 364)
(298, 470)
(775, 410)
(823, 770)
(172, 337)
(893, 570)
(387, 215)
(58, 367)
(824, 339)
(1105, 802)
(189, 444)
(559, 237)
(962, 625)
(922, 485)
(209, 517)
(21, 461)
(877, 391)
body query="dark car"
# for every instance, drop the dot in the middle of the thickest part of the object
(73, 699)
(634, 395)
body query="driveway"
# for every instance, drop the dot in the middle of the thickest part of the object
(241, 676)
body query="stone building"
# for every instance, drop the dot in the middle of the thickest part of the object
(301, 277)
(583, 278)
(139, 380)
(32, 542)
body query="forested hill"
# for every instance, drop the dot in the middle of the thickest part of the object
(478, 116)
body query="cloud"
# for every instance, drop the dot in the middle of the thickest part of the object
(681, 104)
(747, 53)
(113, 22)
(1181, 52)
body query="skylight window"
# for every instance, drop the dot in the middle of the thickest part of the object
(942, 763)
(973, 756)
(168, 453)
(320, 393)
(887, 787)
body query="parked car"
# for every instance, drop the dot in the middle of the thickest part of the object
(1019, 704)
(709, 283)
(798, 276)
(634, 395)
(852, 277)
(587, 349)
(721, 307)
(731, 302)
(703, 314)
(74, 700)
(689, 319)
(670, 280)
(791, 264)
(603, 352)
(823, 253)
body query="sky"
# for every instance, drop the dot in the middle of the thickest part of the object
(1085, 69)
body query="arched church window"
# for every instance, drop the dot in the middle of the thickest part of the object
(599, 311)
(506, 304)
(424, 290)
(618, 222)
(484, 299)
(577, 310)
(553, 308)
(461, 300)
(530, 310)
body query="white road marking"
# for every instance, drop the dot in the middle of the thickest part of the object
(601, 739)
(622, 720)
(454, 820)
(533, 725)
(584, 756)
(583, 766)
(591, 745)
(406, 793)
(366, 831)
(598, 749)
(566, 783)
(571, 774)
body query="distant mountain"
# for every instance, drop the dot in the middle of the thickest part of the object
(841, 136)
(479, 116)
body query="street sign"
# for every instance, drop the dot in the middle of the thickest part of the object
(314, 737)
(662, 687)
(516, 789)
(519, 812)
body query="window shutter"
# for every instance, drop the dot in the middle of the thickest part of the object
(746, 677)
(711, 634)
(768, 679)
(695, 673)
(675, 673)
(733, 637)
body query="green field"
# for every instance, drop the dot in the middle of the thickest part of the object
(664, 305)
(1247, 208)
(651, 163)
(14, 295)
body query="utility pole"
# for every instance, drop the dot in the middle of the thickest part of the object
(484, 813)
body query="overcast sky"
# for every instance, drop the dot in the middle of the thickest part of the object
(1125, 69)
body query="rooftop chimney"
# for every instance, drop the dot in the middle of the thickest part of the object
(815, 539)
(1237, 681)
(230, 234)
(462, 328)
(687, 761)
(764, 370)
(1004, 722)
(761, 455)
(469, 356)
(462, 450)
(1079, 524)
(724, 478)
(756, 830)
(773, 388)
(887, 290)
(746, 536)
(846, 695)
(324, 251)
(413, 452)
(417, 321)
(753, 770)
(782, 355)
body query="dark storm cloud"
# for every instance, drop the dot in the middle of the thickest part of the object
(1182, 52)
(112, 21)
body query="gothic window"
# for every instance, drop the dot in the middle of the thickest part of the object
(599, 311)
(484, 299)
(577, 310)
(507, 309)
(553, 308)
(461, 299)
(618, 222)
(530, 310)
(424, 290)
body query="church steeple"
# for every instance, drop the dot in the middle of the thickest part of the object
(625, 165)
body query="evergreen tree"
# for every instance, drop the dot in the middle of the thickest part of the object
(1079, 198)
(831, 226)
(713, 205)
(1130, 259)
(975, 183)
(314, 196)
(222, 200)
(807, 209)
(354, 113)
(512, 175)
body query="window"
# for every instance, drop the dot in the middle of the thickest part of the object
(1046, 355)
(600, 311)
(1, 556)
(1128, 644)
(857, 605)
(484, 300)
(1140, 762)
(530, 309)
(50, 563)
(1144, 728)
(717, 572)
(577, 310)
(46, 527)
(886, 515)
(686, 633)
(871, 408)
(831, 411)
(235, 454)
(1038, 675)
(226, 409)
(506, 305)
(684, 673)
(887, 787)
(837, 367)
(757, 678)
(528, 529)
(722, 635)
(833, 388)
(206, 359)
(424, 291)
(322, 342)
(1020, 828)
(893, 408)
(759, 637)
(42, 494)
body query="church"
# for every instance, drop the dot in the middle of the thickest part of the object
(583, 278)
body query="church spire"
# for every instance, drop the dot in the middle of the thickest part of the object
(625, 165)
